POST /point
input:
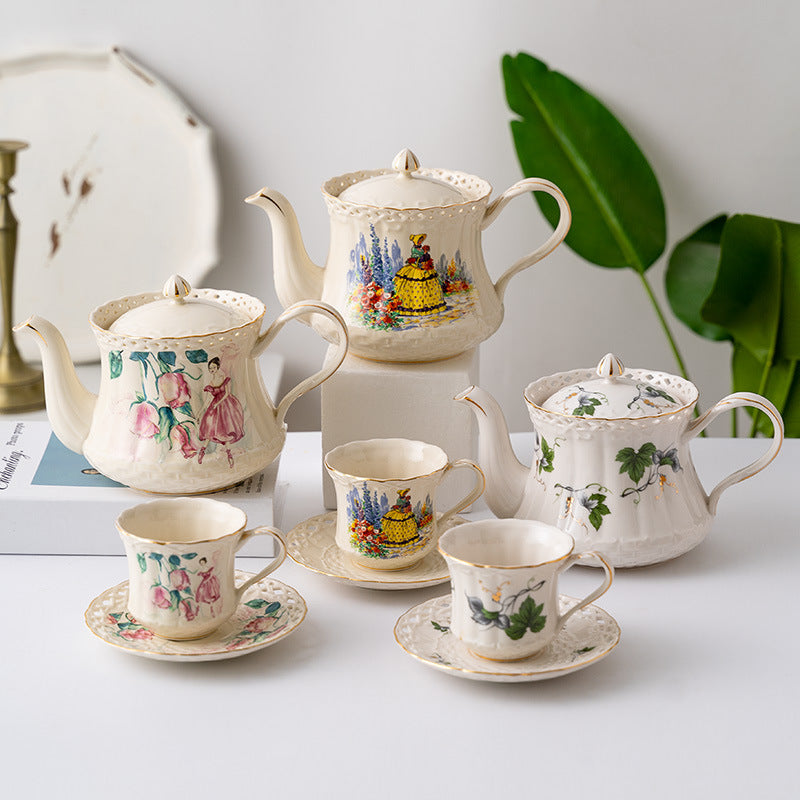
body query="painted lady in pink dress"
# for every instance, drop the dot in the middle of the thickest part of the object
(223, 420)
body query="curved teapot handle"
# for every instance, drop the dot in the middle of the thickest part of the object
(292, 312)
(564, 221)
(728, 404)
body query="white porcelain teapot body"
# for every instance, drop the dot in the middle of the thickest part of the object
(176, 414)
(612, 468)
(405, 266)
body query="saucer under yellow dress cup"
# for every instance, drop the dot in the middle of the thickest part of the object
(385, 498)
(181, 554)
(504, 575)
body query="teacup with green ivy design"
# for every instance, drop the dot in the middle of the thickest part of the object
(504, 580)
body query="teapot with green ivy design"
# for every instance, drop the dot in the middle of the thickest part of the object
(611, 464)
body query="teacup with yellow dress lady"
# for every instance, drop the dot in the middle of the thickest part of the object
(385, 496)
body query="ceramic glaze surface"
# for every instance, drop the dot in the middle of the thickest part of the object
(424, 632)
(405, 266)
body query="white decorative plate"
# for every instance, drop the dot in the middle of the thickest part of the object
(311, 543)
(270, 610)
(117, 192)
(588, 635)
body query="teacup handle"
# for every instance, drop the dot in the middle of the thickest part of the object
(292, 312)
(271, 567)
(728, 403)
(564, 221)
(601, 590)
(476, 492)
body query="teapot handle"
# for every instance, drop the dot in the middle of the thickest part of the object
(728, 404)
(565, 219)
(292, 312)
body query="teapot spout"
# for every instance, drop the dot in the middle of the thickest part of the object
(505, 476)
(70, 405)
(296, 276)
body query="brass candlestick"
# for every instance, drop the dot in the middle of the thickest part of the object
(21, 386)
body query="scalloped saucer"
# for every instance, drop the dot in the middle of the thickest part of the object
(311, 544)
(270, 610)
(588, 636)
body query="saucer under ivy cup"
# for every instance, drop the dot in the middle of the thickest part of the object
(504, 579)
(385, 498)
(181, 556)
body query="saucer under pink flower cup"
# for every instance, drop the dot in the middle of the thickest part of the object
(385, 498)
(181, 556)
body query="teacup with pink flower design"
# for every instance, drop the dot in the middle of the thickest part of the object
(181, 556)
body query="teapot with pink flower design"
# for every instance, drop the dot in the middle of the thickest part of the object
(182, 408)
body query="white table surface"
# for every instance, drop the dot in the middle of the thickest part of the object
(700, 698)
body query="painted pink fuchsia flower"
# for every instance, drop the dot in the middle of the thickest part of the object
(179, 436)
(173, 389)
(161, 597)
(145, 422)
(179, 579)
(189, 609)
(139, 633)
(259, 624)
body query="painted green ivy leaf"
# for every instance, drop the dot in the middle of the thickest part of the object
(142, 563)
(189, 556)
(440, 628)
(548, 457)
(599, 510)
(566, 135)
(756, 295)
(636, 462)
(691, 273)
(528, 618)
(586, 408)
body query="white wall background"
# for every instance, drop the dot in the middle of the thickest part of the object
(298, 92)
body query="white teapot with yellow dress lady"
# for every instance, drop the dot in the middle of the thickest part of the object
(405, 267)
(182, 408)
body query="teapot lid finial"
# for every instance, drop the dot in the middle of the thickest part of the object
(176, 288)
(405, 162)
(610, 367)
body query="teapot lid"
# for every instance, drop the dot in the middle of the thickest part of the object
(401, 188)
(612, 395)
(176, 314)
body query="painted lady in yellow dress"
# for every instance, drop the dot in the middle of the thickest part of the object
(417, 283)
(398, 524)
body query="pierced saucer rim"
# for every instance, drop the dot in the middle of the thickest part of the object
(509, 677)
(211, 655)
(364, 581)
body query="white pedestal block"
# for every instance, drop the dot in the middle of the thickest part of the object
(372, 399)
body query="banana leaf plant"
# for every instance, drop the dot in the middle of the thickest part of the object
(738, 279)
(734, 279)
